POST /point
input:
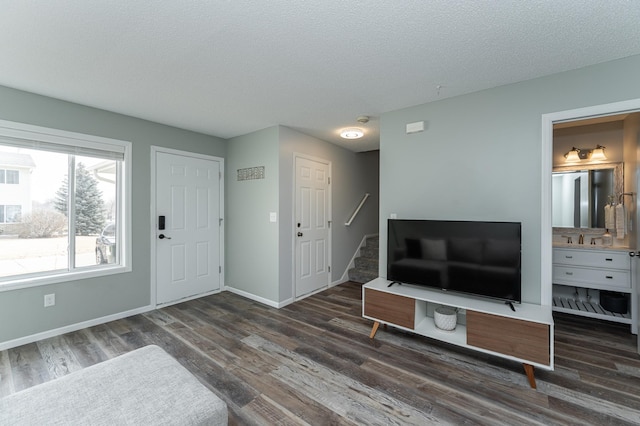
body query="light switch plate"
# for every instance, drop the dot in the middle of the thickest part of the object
(273, 217)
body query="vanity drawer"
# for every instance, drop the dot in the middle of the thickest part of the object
(597, 278)
(591, 258)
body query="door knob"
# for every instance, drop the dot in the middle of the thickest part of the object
(162, 237)
(300, 234)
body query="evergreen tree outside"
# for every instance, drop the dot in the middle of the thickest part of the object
(89, 208)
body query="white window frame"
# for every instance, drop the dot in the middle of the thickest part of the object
(5, 215)
(14, 173)
(28, 136)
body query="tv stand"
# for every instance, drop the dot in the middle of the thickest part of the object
(525, 336)
(510, 304)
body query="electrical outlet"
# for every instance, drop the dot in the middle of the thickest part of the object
(49, 300)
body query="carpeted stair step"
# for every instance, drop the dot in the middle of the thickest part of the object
(362, 276)
(373, 242)
(369, 252)
(366, 265)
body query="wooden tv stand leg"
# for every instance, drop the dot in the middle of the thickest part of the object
(374, 329)
(528, 368)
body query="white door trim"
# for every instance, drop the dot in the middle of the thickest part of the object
(297, 155)
(548, 121)
(152, 212)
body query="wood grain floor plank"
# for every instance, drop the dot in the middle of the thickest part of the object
(271, 414)
(576, 415)
(296, 402)
(6, 378)
(27, 367)
(107, 340)
(59, 358)
(86, 350)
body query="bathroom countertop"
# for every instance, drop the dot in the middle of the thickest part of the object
(588, 246)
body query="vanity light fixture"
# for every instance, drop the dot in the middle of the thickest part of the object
(598, 154)
(351, 133)
(577, 154)
(573, 155)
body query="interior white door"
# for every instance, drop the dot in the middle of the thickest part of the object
(188, 249)
(312, 225)
(635, 268)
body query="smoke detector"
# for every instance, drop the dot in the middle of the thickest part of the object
(362, 119)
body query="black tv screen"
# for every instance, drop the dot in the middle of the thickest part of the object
(479, 258)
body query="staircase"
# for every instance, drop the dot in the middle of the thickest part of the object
(367, 263)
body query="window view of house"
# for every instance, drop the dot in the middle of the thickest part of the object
(10, 176)
(10, 214)
(50, 223)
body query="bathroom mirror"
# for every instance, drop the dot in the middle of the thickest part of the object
(580, 192)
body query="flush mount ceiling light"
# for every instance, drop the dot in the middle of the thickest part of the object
(351, 133)
(573, 155)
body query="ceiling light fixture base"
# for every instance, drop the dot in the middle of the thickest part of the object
(351, 133)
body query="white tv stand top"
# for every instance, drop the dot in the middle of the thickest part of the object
(524, 311)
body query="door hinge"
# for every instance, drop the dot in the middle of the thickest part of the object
(219, 269)
(329, 223)
(220, 222)
(329, 268)
(329, 180)
(219, 175)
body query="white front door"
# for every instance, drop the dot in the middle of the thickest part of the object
(312, 225)
(187, 196)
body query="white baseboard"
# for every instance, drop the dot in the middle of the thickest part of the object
(259, 299)
(342, 280)
(186, 299)
(73, 327)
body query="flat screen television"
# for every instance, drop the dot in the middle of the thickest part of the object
(477, 258)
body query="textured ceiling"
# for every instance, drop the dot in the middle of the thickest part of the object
(230, 67)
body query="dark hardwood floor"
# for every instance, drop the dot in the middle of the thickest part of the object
(312, 362)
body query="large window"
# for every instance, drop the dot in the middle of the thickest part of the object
(10, 176)
(68, 218)
(10, 214)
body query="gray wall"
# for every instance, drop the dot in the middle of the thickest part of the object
(251, 254)
(480, 155)
(631, 143)
(21, 311)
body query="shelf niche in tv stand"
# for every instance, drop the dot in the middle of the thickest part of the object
(525, 336)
